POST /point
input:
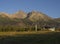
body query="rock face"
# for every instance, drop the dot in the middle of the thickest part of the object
(19, 14)
(2, 14)
(36, 16)
(23, 19)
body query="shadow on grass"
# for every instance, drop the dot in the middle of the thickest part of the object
(49, 38)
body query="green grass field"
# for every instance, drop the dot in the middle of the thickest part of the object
(30, 37)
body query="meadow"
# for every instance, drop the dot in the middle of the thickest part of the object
(40, 37)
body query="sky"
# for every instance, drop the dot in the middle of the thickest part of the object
(49, 7)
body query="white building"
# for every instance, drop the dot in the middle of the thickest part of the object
(52, 29)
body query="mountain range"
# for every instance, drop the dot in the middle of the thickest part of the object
(23, 19)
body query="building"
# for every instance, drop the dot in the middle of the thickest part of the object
(50, 28)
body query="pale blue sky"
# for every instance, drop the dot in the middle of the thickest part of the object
(49, 7)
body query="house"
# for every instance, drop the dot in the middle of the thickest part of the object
(50, 28)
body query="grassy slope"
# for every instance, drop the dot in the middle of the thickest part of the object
(31, 38)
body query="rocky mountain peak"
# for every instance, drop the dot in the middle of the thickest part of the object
(35, 16)
(19, 14)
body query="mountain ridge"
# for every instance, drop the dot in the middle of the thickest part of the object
(27, 19)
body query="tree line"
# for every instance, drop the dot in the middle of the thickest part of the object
(16, 28)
